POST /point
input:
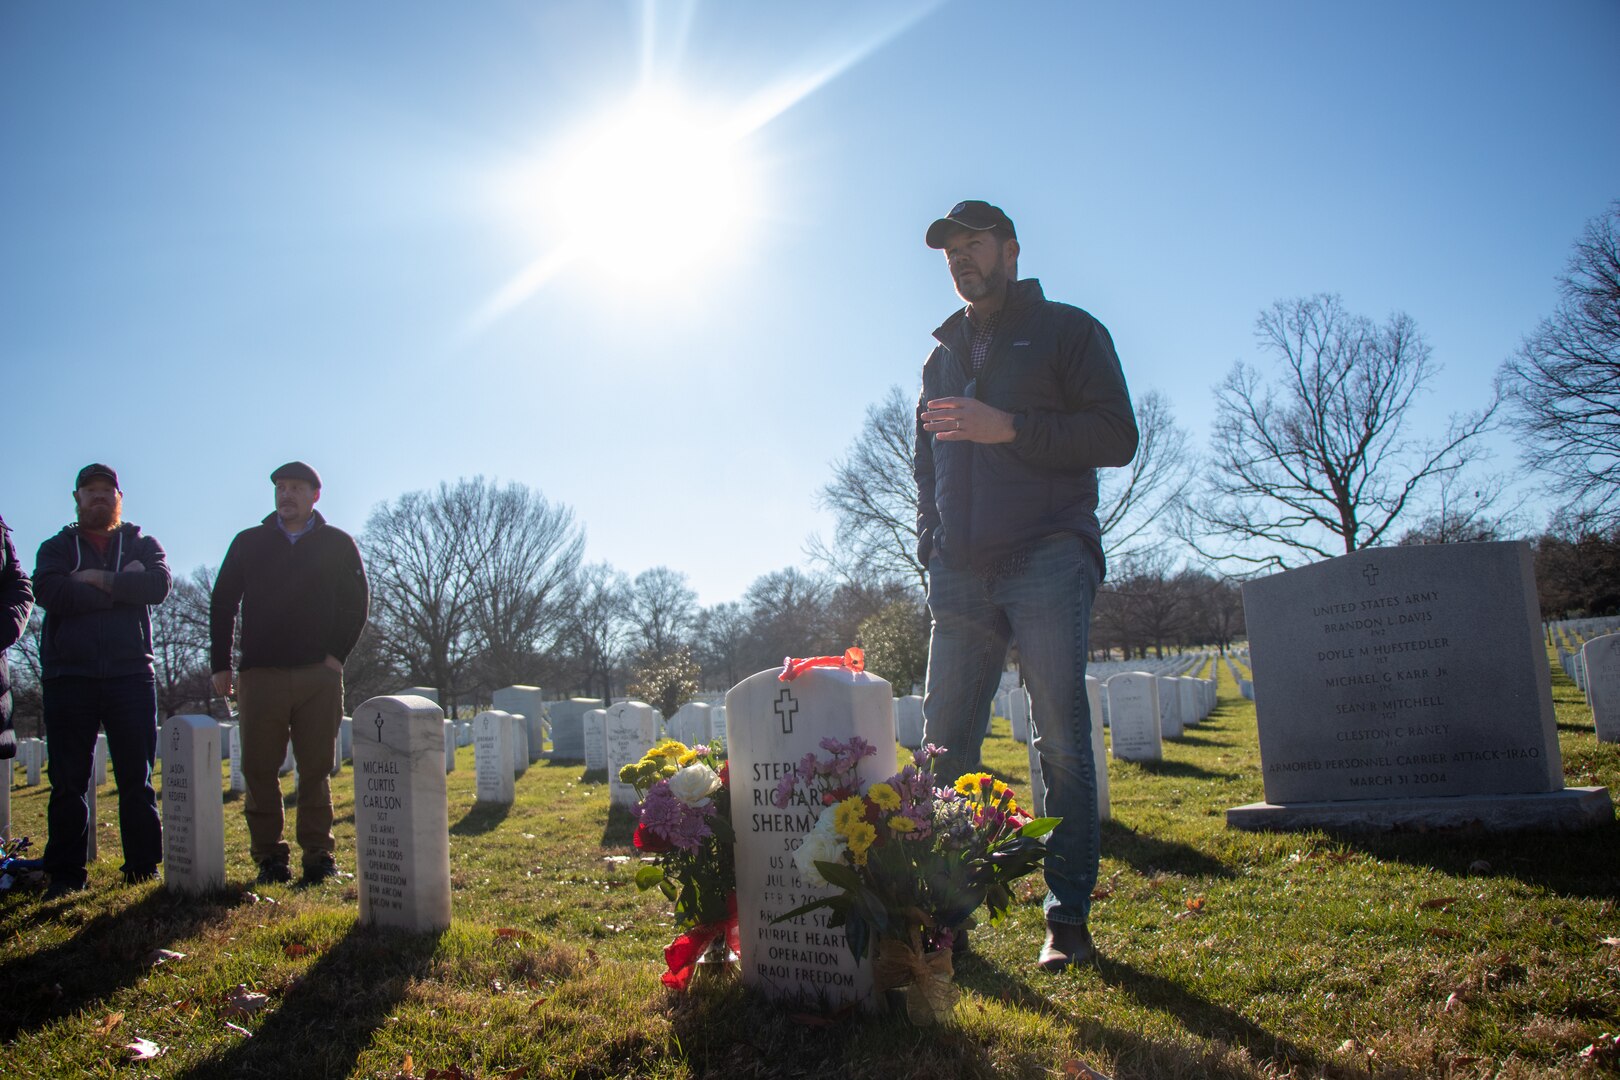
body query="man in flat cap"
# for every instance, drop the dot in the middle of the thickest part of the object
(97, 581)
(301, 589)
(1022, 401)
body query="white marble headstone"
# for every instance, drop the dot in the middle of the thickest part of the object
(908, 716)
(595, 737)
(101, 758)
(401, 814)
(494, 752)
(1170, 720)
(421, 691)
(449, 746)
(1601, 658)
(717, 723)
(772, 725)
(691, 724)
(1135, 703)
(630, 729)
(237, 782)
(193, 805)
(1192, 700)
(1099, 758)
(1018, 713)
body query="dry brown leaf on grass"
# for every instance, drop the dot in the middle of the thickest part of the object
(163, 956)
(1195, 903)
(1079, 1069)
(1438, 903)
(516, 1074)
(240, 1001)
(143, 1050)
(1612, 942)
(294, 950)
(111, 1021)
(508, 933)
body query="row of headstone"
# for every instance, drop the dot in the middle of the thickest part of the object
(908, 721)
(1600, 664)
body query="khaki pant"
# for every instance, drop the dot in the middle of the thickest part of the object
(305, 704)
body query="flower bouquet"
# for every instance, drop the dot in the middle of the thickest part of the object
(683, 820)
(911, 863)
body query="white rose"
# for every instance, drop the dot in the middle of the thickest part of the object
(821, 844)
(694, 784)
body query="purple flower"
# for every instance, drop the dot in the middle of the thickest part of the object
(784, 789)
(684, 826)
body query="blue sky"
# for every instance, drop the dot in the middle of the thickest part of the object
(236, 234)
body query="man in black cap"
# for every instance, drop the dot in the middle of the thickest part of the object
(301, 588)
(96, 581)
(1022, 401)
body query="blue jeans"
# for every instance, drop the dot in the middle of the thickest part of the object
(76, 707)
(1043, 601)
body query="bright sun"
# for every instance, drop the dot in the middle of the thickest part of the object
(652, 192)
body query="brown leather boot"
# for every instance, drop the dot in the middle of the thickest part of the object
(1066, 944)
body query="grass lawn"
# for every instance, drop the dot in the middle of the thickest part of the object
(1224, 953)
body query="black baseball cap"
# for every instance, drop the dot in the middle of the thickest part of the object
(297, 470)
(96, 472)
(972, 214)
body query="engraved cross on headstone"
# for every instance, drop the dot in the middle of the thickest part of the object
(378, 720)
(1370, 572)
(786, 706)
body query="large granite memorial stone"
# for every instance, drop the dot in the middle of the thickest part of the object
(528, 702)
(1408, 686)
(193, 806)
(568, 727)
(772, 725)
(401, 814)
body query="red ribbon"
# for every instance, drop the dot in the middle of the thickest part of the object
(682, 954)
(853, 659)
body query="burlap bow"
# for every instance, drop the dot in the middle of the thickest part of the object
(926, 978)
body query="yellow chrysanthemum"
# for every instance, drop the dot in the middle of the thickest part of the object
(848, 814)
(885, 796)
(861, 838)
(968, 783)
(687, 758)
(669, 748)
(902, 824)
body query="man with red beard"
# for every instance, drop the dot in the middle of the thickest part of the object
(96, 581)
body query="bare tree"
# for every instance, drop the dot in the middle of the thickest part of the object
(1564, 383)
(787, 616)
(180, 644)
(663, 608)
(1322, 463)
(523, 583)
(600, 631)
(1465, 511)
(873, 493)
(722, 637)
(1133, 500)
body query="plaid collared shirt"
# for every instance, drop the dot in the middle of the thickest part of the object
(984, 330)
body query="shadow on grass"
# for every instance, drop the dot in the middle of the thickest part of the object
(1146, 853)
(1156, 1057)
(108, 953)
(480, 818)
(593, 776)
(1573, 864)
(328, 1016)
(1184, 769)
(620, 827)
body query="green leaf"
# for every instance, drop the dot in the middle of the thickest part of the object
(837, 874)
(722, 829)
(1040, 827)
(802, 909)
(648, 876)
